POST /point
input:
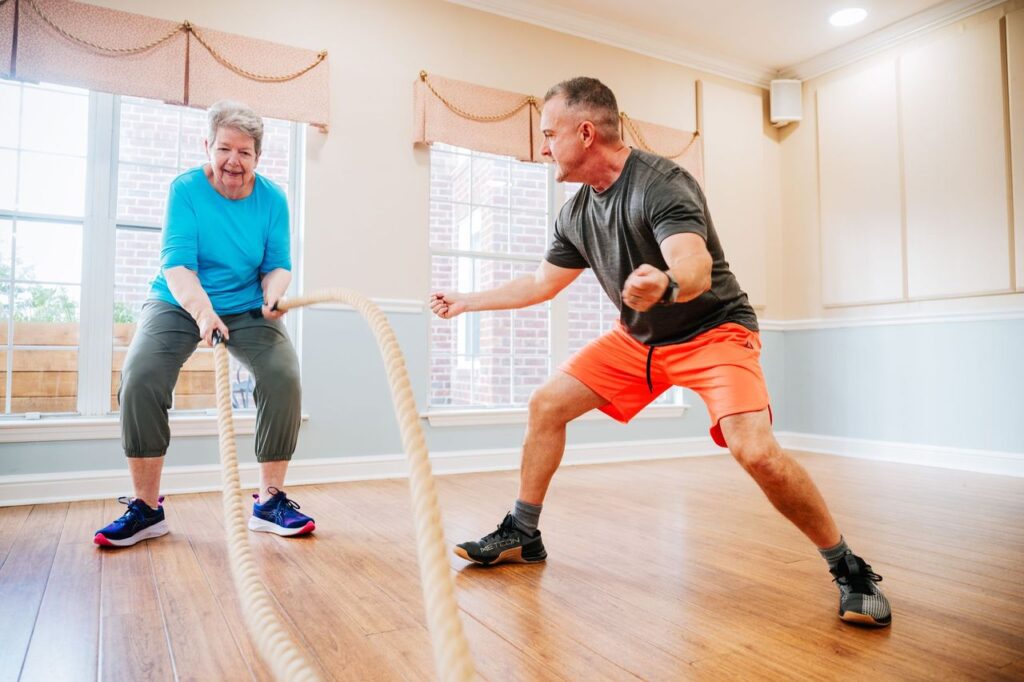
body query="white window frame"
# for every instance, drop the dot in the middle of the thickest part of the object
(94, 419)
(558, 325)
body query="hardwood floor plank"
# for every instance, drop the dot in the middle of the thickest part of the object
(133, 638)
(23, 579)
(65, 640)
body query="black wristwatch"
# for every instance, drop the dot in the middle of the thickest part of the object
(671, 291)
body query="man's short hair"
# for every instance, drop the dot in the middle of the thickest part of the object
(593, 97)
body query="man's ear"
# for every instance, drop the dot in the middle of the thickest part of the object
(587, 133)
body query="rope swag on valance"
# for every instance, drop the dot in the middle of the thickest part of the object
(507, 123)
(155, 59)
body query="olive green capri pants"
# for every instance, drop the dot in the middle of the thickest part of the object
(166, 337)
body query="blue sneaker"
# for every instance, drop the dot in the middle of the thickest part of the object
(138, 523)
(279, 515)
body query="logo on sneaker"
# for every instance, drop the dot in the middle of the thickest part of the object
(507, 542)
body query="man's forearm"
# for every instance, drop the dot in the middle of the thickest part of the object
(518, 293)
(694, 276)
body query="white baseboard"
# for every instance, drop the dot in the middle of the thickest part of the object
(980, 461)
(93, 485)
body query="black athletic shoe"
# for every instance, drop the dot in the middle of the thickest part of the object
(860, 600)
(506, 544)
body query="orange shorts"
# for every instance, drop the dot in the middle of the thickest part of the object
(722, 365)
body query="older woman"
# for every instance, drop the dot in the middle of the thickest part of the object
(225, 262)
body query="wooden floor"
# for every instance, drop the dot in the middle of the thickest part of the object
(663, 570)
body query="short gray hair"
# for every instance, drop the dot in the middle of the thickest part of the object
(241, 117)
(593, 97)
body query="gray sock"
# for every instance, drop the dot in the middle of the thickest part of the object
(526, 516)
(833, 554)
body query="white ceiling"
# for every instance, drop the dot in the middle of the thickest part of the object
(752, 40)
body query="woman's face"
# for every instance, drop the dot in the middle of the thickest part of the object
(232, 158)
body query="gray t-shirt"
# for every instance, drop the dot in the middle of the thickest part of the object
(617, 230)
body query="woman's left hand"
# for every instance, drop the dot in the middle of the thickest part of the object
(269, 312)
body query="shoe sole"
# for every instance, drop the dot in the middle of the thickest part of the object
(261, 526)
(154, 531)
(509, 556)
(863, 619)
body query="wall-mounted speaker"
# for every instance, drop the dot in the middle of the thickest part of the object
(786, 102)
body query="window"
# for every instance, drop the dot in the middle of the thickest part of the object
(43, 145)
(490, 221)
(83, 186)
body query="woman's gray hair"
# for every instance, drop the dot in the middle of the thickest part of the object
(241, 117)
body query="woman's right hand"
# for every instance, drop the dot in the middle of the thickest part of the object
(209, 322)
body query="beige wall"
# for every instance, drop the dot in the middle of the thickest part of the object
(897, 184)
(367, 187)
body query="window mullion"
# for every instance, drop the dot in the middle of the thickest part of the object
(98, 244)
(559, 311)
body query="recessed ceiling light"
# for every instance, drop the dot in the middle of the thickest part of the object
(848, 17)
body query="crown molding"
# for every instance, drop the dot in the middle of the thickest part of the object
(927, 20)
(578, 24)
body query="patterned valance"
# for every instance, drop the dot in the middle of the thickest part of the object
(508, 123)
(82, 45)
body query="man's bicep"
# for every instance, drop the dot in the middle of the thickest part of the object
(553, 278)
(676, 247)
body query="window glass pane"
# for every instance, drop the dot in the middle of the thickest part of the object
(51, 184)
(449, 225)
(54, 122)
(48, 252)
(8, 178)
(275, 155)
(142, 193)
(449, 176)
(6, 231)
(528, 234)
(44, 381)
(149, 134)
(591, 312)
(530, 187)
(10, 105)
(136, 262)
(46, 303)
(193, 136)
(490, 182)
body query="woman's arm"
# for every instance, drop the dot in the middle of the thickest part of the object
(185, 287)
(274, 284)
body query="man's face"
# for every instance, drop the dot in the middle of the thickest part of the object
(562, 139)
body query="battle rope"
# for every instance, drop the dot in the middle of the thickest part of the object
(451, 652)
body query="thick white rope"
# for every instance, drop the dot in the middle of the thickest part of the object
(277, 649)
(451, 651)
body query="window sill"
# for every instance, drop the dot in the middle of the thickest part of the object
(483, 417)
(109, 428)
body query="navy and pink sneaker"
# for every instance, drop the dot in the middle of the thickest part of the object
(138, 523)
(279, 515)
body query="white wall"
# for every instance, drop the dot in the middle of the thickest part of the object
(897, 191)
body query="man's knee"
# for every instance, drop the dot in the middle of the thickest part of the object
(547, 408)
(761, 458)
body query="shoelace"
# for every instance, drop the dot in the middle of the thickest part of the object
(282, 507)
(859, 575)
(500, 533)
(131, 511)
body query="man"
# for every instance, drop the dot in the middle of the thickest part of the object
(642, 224)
